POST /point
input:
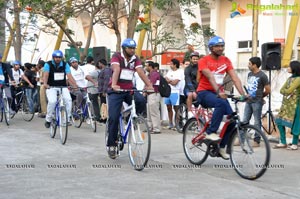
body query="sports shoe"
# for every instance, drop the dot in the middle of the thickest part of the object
(212, 136)
(47, 124)
(255, 144)
(112, 152)
(223, 154)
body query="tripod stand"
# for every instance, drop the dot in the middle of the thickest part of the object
(269, 113)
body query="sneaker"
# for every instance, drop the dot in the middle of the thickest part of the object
(47, 124)
(212, 136)
(155, 132)
(41, 115)
(223, 154)
(112, 152)
(190, 114)
(12, 112)
(255, 144)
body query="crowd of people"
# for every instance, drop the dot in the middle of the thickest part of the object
(201, 79)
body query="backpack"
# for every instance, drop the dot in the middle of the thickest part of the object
(164, 88)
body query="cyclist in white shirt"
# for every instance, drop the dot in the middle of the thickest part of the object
(79, 76)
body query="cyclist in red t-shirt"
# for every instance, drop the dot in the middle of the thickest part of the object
(212, 69)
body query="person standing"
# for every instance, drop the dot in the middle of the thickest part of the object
(55, 73)
(173, 77)
(30, 89)
(93, 91)
(153, 99)
(42, 92)
(289, 113)
(212, 69)
(6, 76)
(123, 65)
(258, 88)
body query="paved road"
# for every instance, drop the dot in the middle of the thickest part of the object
(32, 165)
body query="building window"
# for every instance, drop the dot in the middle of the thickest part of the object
(246, 44)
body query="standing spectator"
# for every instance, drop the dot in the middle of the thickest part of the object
(88, 67)
(5, 77)
(18, 75)
(104, 80)
(289, 113)
(258, 88)
(173, 77)
(30, 88)
(42, 92)
(153, 99)
(93, 91)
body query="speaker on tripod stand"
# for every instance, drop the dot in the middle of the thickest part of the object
(271, 60)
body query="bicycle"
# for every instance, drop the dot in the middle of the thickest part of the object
(85, 112)
(249, 162)
(60, 119)
(22, 105)
(4, 106)
(136, 128)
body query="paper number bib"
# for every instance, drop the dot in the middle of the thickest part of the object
(126, 74)
(59, 76)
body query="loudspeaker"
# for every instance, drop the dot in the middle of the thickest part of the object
(271, 56)
(100, 53)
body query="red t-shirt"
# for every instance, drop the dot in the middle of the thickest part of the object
(218, 67)
(127, 69)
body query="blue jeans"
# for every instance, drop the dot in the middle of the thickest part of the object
(115, 103)
(255, 109)
(210, 99)
(30, 95)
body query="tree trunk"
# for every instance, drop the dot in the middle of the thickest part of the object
(132, 19)
(18, 38)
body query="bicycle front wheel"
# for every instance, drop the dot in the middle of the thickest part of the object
(6, 111)
(26, 114)
(91, 116)
(249, 161)
(181, 118)
(139, 143)
(63, 124)
(196, 153)
(53, 128)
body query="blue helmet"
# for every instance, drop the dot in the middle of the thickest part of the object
(16, 63)
(216, 41)
(57, 53)
(128, 43)
(73, 59)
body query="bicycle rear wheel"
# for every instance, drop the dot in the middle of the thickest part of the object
(63, 124)
(77, 117)
(181, 117)
(195, 153)
(249, 161)
(91, 116)
(139, 143)
(26, 114)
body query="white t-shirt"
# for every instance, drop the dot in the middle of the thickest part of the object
(88, 68)
(17, 75)
(182, 82)
(79, 76)
(173, 75)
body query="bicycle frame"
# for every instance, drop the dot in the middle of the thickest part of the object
(132, 115)
(58, 104)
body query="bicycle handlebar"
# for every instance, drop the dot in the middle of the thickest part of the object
(134, 90)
